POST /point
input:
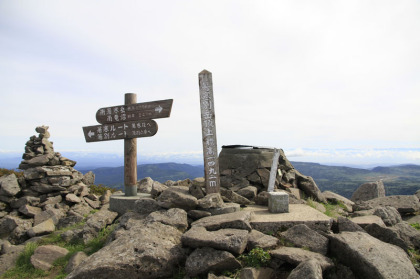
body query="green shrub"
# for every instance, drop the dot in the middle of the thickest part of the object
(416, 226)
(257, 257)
(100, 189)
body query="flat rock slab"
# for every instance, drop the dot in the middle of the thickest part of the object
(364, 221)
(296, 256)
(44, 256)
(369, 257)
(237, 220)
(121, 203)
(232, 240)
(266, 222)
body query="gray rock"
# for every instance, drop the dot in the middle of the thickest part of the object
(388, 214)
(9, 185)
(369, 191)
(45, 188)
(101, 219)
(104, 199)
(262, 198)
(205, 260)
(72, 219)
(256, 273)
(29, 211)
(43, 228)
(146, 206)
(51, 213)
(89, 178)
(75, 260)
(410, 235)
(295, 256)
(44, 256)
(336, 198)
(232, 240)
(177, 197)
(249, 192)
(237, 220)
(369, 257)
(308, 185)
(404, 204)
(261, 240)
(95, 204)
(198, 214)
(73, 198)
(386, 234)
(157, 189)
(9, 255)
(213, 200)
(147, 250)
(145, 185)
(196, 190)
(302, 236)
(228, 207)
(53, 200)
(363, 221)
(234, 197)
(310, 269)
(174, 217)
(346, 225)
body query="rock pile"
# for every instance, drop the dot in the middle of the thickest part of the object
(50, 194)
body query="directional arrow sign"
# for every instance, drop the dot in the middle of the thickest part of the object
(122, 130)
(139, 111)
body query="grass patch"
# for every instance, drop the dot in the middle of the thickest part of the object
(416, 226)
(414, 257)
(257, 258)
(100, 189)
(7, 172)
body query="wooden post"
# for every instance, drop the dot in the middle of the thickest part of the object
(273, 171)
(130, 156)
(208, 129)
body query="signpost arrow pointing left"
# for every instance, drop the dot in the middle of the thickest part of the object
(91, 134)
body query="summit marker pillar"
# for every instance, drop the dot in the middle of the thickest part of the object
(130, 156)
(208, 129)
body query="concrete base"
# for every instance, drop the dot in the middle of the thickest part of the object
(267, 222)
(121, 203)
(278, 202)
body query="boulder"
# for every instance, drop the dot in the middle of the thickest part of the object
(295, 256)
(198, 214)
(177, 197)
(369, 257)
(310, 269)
(231, 240)
(234, 197)
(369, 191)
(256, 273)
(29, 211)
(261, 240)
(405, 204)
(346, 225)
(44, 256)
(146, 206)
(145, 185)
(157, 189)
(89, 178)
(308, 185)
(95, 204)
(9, 185)
(205, 260)
(336, 198)
(51, 213)
(227, 207)
(75, 260)
(388, 214)
(9, 255)
(73, 198)
(43, 228)
(249, 192)
(262, 198)
(104, 199)
(213, 200)
(146, 250)
(237, 220)
(302, 236)
(386, 234)
(196, 190)
(363, 221)
(174, 217)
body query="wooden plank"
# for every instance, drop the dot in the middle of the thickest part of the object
(137, 111)
(208, 128)
(273, 171)
(123, 130)
(130, 154)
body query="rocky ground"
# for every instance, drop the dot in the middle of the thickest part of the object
(180, 232)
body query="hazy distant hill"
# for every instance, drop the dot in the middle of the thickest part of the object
(160, 172)
(398, 180)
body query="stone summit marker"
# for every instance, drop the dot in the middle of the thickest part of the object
(208, 129)
(129, 121)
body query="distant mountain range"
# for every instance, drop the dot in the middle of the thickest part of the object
(398, 180)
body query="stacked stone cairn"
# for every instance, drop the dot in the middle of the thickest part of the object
(51, 194)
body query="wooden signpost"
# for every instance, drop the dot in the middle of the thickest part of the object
(208, 129)
(129, 121)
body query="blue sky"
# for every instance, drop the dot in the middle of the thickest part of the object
(324, 80)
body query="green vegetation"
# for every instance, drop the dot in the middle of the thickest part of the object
(414, 257)
(100, 189)
(24, 268)
(416, 226)
(257, 257)
(7, 172)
